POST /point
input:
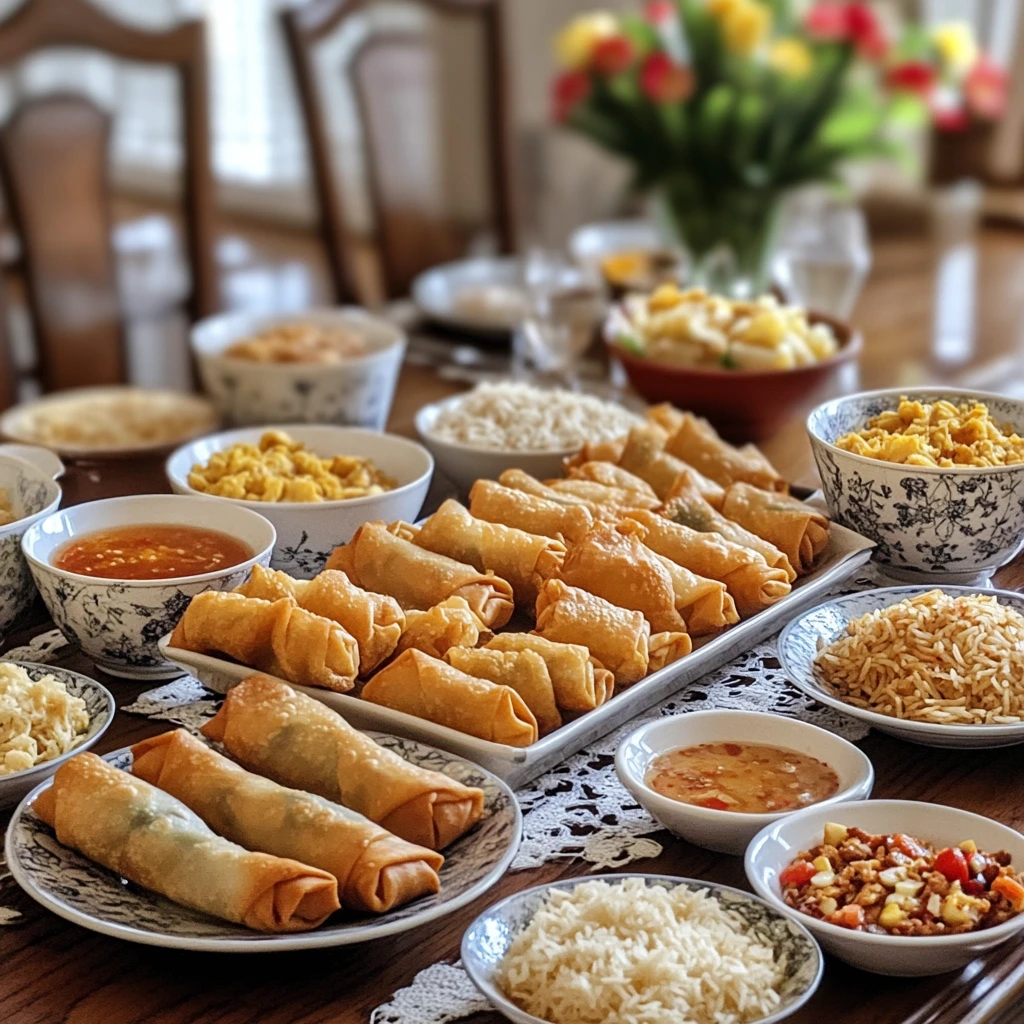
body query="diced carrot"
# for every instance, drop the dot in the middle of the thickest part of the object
(851, 916)
(1011, 889)
(797, 873)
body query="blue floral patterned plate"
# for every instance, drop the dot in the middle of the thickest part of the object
(85, 893)
(805, 635)
(488, 938)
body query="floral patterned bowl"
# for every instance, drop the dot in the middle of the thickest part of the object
(947, 525)
(117, 623)
(27, 474)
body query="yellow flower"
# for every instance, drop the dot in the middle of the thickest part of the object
(956, 45)
(791, 57)
(722, 8)
(574, 45)
(745, 26)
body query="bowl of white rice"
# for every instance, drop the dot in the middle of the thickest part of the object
(494, 427)
(640, 949)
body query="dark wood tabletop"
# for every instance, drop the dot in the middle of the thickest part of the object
(53, 971)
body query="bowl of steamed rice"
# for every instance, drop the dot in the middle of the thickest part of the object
(934, 477)
(937, 667)
(624, 949)
(46, 715)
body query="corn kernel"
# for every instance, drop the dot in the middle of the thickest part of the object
(828, 906)
(664, 297)
(822, 863)
(835, 834)
(891, 915)
(969, 846)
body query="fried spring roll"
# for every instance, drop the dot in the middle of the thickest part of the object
(697, 443)
(644, 455)
(686, 505)
(580, 682)
(595, 451)
(706, 605)
(620, 569)
(612, 476)
(377, 560)
(375, 870)
(375, 620)
(791, 525)
(665, 416)
(448, 624)
(665, 648)
(604, 496)
(494, 503)
(616, 636)
(154, 840)
(524, 559)
(752, 583)
(524, 671)
(277, 637)
(271, 729)
(431, 689)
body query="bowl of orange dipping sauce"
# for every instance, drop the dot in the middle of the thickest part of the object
(717, 778)
(117, 574)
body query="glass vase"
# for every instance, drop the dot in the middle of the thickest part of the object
(727, 234)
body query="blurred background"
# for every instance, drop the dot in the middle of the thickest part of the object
(166, 160)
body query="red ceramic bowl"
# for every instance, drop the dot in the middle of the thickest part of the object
(744, 405)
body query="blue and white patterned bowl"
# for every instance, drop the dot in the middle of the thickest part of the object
(117, 623)
(488, 938)
(799, 644)
(356, 392)
(98, 703)
(307, 532)
(85, 893)
(950, 525)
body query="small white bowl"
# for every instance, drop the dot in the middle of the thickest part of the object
(900, 955)
(798, 647)
(439, 293)
(731, 831)
(28, 475)
(99, 704)
(117, 623)
(307, 532)
(356, 392)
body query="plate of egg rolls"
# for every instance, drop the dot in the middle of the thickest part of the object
(278, 827)
(540, 614)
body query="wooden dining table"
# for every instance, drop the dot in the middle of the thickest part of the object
(932, 310)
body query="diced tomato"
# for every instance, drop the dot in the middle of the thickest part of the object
(850, 916)
(952, 863)
(797, 873)
(1011, 889)
(733, 749)
(911, 847)
(713, 803)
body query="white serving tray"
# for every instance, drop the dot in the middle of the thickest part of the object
(846, 552)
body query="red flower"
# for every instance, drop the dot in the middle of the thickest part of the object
(913, 76)
(612, 55)
(985, 90)
(569, 91)
(855, 23)
(827, 22)
(951, 119)
(659, 11)
(664, 81)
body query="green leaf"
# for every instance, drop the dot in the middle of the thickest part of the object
(640, 32)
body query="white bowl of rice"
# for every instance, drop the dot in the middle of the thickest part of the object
(502, 426)
(620, 949)
(940, 667)
(47, 715)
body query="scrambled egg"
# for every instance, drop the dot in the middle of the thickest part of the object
(938, 434)
(281, 469)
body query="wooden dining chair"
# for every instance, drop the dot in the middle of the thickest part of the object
(393, 77)
(55, 180)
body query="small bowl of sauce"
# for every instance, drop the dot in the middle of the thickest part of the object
(717, 778)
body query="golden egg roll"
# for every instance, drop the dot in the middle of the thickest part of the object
(448, 624)
(375, 620)
(519, 480)
(580, 682)
(154, 840)
(375, 559)
(375, 870)
(791, 525)
(524, 671)
(620, 569)
(604, 495)
(616, 636)
(685, 504)
(596, 451)
(525, 560)
(611, 475)
(644, 455)
(665, 416)
(705, 605)
(277, 637)
(696, 442)
(664, 648)
(431, 689)
(271, 729)
(752, 583)
(494, 503)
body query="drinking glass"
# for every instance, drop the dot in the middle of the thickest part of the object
(823, 257)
